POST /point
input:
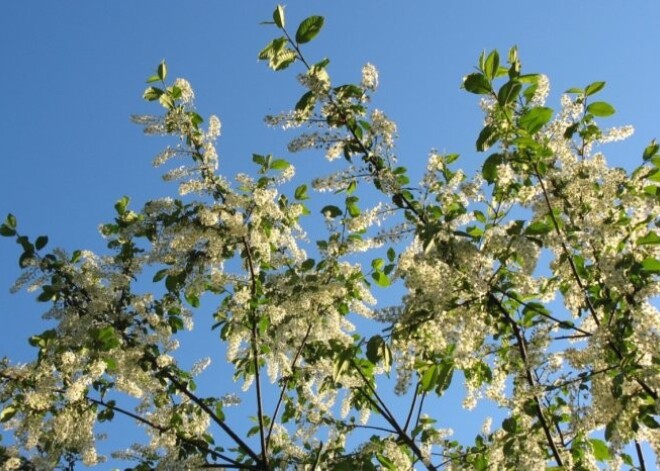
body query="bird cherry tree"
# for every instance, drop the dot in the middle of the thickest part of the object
(530, 282)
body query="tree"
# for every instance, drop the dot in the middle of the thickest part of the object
(533, 279)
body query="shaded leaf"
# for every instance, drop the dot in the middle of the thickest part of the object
(308, 29)
(478, 84)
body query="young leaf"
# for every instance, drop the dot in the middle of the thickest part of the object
(651, 265)
(162, 71)
(308, 29)
(492, 65)
(280, 164)
(600, 108)
(278, 16)
(601, 452)
(651, 150)
(594, 88)
(649, 239)
(152, 94)
(301, 193)
(381, 279)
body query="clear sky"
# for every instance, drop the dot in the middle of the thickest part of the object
(72, 72)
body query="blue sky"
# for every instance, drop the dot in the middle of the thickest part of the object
(73, 72)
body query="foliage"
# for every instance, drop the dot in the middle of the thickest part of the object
(532, 280)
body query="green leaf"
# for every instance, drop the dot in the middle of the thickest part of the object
(152, 93)
(283, 59)
(331, 211)
(487, 137)
(307, 101)
(11, 221)
(122, 204)
(375, 348)
(301, 193)
(651, 265)
(429, 378)
(107, 337)
(308, 264)
(174, 282)
(391, 254)
(377, 264)
(510, 425)
(570, 130)
(489, 169)
(280, 164)
(492, 65)
(649, 239)
(258, 159)
(192, 299)
(445, 374)
(538, 228)
(600, 108)
(162, 71)
(7, 231)
(535, 119)
(651, 150)
(160, 274)
(594, 88)
(650, 422)
(308, 29)
(478, 84)
(167, 101)
(7, 413)
(41, 242)
(386, 462)
(601, 452)
(381, 279)
(353, 209)
(474, 231)
(509, 92)
(278, 16)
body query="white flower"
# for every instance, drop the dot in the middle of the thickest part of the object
(163, 361)
(541, 92)
(334, 151)
(200, 366)
(369, 77)
(187, 93)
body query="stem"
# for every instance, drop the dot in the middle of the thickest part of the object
(640, 456)
(579, 282)
(387, 415)
(412, 407)
(522, 346)
(367, 157)
(562, 324)
(234, 464)
(286, 383)
(564, 248)
(255, 354)
(221, 423)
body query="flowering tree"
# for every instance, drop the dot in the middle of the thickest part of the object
(533, 279)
